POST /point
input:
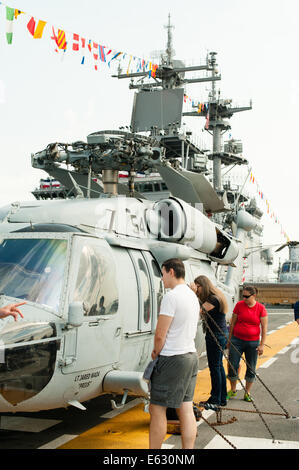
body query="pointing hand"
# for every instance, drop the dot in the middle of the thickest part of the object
(12, 310)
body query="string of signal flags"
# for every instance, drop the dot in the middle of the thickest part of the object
(270, 212)
(89, 51)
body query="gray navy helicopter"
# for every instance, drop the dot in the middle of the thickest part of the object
(88, 266)
(289, 271)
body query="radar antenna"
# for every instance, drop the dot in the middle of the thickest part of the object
(169, 49)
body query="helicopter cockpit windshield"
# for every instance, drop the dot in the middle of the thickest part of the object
(32, 269)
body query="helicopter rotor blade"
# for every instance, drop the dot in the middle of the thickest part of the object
(290, 243)
(63, 176)
(191, 187)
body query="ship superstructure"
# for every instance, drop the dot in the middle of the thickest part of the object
(192, 170)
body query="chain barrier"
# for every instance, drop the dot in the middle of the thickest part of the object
(216, 430)
(251, 411)
(236, 374)
(286, 413)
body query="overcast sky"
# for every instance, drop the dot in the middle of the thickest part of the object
(47, 96)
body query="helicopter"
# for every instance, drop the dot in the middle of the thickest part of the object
(289, 271)
(88, 266)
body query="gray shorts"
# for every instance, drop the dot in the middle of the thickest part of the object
(173, 380)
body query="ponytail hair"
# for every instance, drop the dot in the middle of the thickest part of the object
(209, 289)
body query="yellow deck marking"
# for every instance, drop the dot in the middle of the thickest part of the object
(129, 430)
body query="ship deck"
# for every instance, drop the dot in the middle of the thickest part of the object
(100, 428)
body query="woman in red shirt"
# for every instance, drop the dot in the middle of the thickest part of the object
(248, 321)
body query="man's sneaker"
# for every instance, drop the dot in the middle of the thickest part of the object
(247, 397)
(231, 394)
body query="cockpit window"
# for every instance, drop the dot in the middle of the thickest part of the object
(33, 269)
(286, 268)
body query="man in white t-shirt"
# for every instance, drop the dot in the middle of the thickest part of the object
(174, 376)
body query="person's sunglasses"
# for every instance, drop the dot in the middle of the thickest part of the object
(247, 296)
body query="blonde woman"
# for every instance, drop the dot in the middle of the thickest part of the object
(214, 302)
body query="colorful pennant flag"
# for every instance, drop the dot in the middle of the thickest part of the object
(17, 13)
(37, 31)
(54, 37)
(128, 69)
(95, 54)
(154, 70)
(83, 41)
(10, 12)
(61, 40)
(31, 26)
(114, 57)
(75, 42)
(102, 53)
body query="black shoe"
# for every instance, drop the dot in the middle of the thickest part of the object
(223, 403)
(211, 406)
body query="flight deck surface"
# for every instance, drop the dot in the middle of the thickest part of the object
(99, 427)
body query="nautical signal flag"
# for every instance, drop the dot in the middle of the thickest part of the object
(10, 12)
(76, 39)
(17, 13)
(60, 39)
(102, 53)
(36, 31)
(95, 54)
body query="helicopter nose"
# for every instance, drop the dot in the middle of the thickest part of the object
(27, 359)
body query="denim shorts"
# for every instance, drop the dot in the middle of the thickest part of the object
(238, 347)
(173, 380)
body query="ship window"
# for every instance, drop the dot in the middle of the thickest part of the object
(148, 187)
(145, 288)
(286, 268)
(164, 187)
(157, 187)
(33, 269)
(294, 267)
(96, 281)
(158, 283)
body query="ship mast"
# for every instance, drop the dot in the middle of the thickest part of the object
(169, 49)
(216, 113)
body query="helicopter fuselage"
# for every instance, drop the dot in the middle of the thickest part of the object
(92, 301)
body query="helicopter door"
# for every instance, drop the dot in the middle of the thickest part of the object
(93, 281)
(144, 291)
(158, 288)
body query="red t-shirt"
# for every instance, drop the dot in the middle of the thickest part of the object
(248, 322)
